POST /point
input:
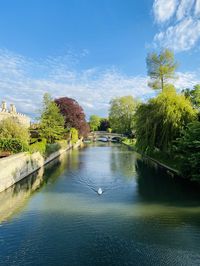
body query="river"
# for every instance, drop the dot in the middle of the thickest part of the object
(143, 217)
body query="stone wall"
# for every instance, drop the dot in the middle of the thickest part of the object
(16, 167)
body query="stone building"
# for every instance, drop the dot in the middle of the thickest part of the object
(12, 113)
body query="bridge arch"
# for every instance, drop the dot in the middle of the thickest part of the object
(96, 135)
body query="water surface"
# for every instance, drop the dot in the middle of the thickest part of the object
(144, 216)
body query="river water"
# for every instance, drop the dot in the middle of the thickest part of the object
(143, 217)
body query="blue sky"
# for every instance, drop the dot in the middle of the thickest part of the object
(91, 50)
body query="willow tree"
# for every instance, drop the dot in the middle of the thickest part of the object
(159, 121)
(161, 68)
(121, 114)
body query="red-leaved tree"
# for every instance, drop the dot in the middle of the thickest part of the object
(73, 114)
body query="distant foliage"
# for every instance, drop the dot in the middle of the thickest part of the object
(121, 114)
(188, 148)
(51, 121)
(94, 122)
(74, 135)
(10, 129)
(104, 124)
(73, 114)
(161, 68)
(159, 121)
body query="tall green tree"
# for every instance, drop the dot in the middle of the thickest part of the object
(121, 114)
(51, 120)
(193, 95)
(159, 121)
(160, 68)
(94, 122)
(188, 148)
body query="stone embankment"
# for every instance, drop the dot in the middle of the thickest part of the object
(16, 167)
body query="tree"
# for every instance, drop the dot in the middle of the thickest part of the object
(51, 120)
(159, 121)
(94, 122)
(73, 114)
(160, 68)
(121, 114)
(104, 124)
(193, 95)
(188, 148)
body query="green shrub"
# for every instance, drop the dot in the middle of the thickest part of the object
(51, 148)
(63, 143)
(74, 135)
(39, 146)
(10, 129)
(13, 145)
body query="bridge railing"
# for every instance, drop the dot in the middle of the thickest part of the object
(105, 133)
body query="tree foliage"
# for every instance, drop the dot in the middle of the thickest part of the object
(94, 122)
(51, 120)
(189, 151)
(160, 68)
(104, 124)
(159, 121)
(121, 114)
(193, 95)
(73, 114)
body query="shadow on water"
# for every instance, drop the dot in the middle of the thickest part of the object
(155, 185)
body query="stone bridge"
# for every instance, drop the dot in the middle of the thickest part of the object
(97, 135)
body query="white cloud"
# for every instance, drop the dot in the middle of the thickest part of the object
(183, 31)
(24, 81)
(187, 80)
(164, 9)
(180, 37)
(184, 8)
(197, 8)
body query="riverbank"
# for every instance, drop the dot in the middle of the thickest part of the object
(16, 167)
(170, 165)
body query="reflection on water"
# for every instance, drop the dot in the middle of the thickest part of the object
(14, 198)
(145, 217)
(156, 185)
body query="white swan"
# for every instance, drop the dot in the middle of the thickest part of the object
(99, 191)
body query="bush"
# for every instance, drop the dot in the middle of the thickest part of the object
(74, 135)
(38, 146)
(10, 129)
(13, 145)
(51, 148)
